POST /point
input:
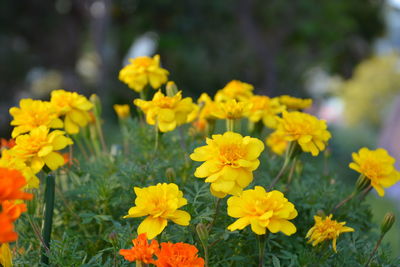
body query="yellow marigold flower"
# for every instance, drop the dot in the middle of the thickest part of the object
(74, 106)
(262, 210)
(378, 166)
(230, 160)
(123, 111)
(294, 103)
(142, 71)
(235, 90)
(168, 112)
(9, 161)
(39, 148)
(265, 109)
(5, 255)
(159, 203)
(32, 114)
(308, 131)
(325, 229)
(231, 109)
(277, 143)
(207, 107)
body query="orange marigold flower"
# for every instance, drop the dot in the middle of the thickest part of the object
(13, 209)
(11, 182)
(141, 250)
(7, 233)
(179, 254)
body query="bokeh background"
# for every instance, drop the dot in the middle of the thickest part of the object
(343, 54)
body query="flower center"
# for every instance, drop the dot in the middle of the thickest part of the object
(231, 153)
(165, 102)
(143, 62)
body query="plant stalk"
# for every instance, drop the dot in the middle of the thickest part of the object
(261, 240)
(48, 217)
(375, 249)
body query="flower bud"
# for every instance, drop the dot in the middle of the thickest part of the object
(202, 232)
(171, 89)
(123, 111)
(362, 183)
(96, 104)
(170, 174)
(387, 222)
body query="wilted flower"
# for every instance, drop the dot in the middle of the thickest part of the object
(231, 109)
(325, 229)
(5, 255)
(308, 131)
(123, 111)
(74, 106)
(294, 103)
(179, 254)
(277, 143)
(11, 183)
(378, 166)
(166, 111)
(230, 160)
(265, 109)
(142, 71)
(39, 148)
(262, 210)
(141, 251)
(237, 90)
(32, 114)
(159, 203)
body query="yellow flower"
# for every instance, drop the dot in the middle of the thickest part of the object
(262, 210)
(5, 255)
(235, 90)
(32, 114)
(277, 143)
(265, 109)
(159, 203)
(378, 166)
(308, 131)
(325, 229)
(38, 148)
(207, 107)
(142, 71)
(294, 103)
(123, 111)
(166, 111)
(75, 107)
(230, 160)
(231, 109)
(9, 161)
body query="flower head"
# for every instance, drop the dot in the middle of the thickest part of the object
(179, 254)
(11, 183)
(378, 166)
(13, 209)
(262, 210)
(167, 112)
(32, 114)
(74, 106)
(123, 111)
(141, 250)
(159, 203)
(308, 131)
(229, 162)
(39, 148)
(142, 71)
(277, 143)
(294, 103)
(325, 229)
(265, 109)
(207, 107)
(238, 90)
(231, 109)
(7, 233)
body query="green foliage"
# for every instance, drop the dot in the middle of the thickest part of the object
(93, 195)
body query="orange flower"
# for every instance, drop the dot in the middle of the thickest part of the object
(7, 233)
(11, 182)
(179, 254)
(141, 250)
(13, 209)
(7, 144)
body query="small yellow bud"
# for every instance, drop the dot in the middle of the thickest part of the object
(171, 89)
(123, 111)
(387, 222)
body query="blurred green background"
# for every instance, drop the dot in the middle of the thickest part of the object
(341, 53)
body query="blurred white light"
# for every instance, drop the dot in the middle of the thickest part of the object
(145, 45)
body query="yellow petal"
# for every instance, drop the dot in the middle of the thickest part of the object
(180, 217)
(54, 160)
(152, 226)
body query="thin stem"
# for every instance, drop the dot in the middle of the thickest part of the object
(156, 136)
(375, 249)
(81, 147)
(48, 216)
(101, 135)
(215, 214)
(344, 201)
(289, 181)
(261, 240)
(230, 125)
(288, 157)
(365, 192)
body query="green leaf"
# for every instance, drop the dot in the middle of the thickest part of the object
(275, 261)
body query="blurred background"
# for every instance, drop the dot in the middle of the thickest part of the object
(343, 54)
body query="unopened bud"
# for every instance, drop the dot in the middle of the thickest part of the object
(202, 232)
(96, 104)
(387, 222)
(321, 213)
(170, 174)
(113, 236)
(123, 111)
(171, 89)
(362, 183)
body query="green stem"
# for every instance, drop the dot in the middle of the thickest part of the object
(344, 201)
(261, 240)
(289, 156)
(374, 251)
(78, 141)
(230, 125)
(48, 216)
(157, 136)
(215, 214)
